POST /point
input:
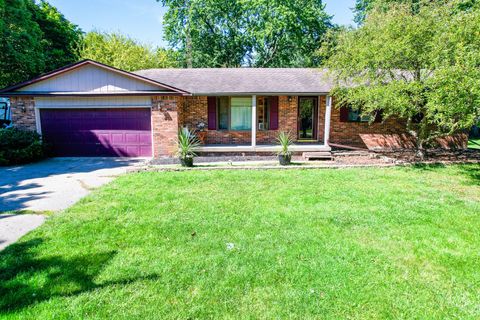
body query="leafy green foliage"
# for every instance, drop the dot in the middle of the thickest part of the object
(422, 67)
(125, 53)
(21, 51)
(60, 36)
(20, 146)
(260, 33)
(307, 244)
(285, 140)
(35, 38)
(363, 7)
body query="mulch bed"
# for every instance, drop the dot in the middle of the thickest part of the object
(441, 156)
(352, 157)
(342, 159)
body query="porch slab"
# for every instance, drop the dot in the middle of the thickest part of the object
(263, 148)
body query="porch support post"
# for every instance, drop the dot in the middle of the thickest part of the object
(328, 114)
(254, 120)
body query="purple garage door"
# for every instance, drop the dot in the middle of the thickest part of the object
(98, 132)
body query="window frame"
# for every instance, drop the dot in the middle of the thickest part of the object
(229, 112)
(218, 114)
(361, 119)
(266, 113)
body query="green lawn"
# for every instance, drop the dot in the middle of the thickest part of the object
(474, 143)
(330, 244)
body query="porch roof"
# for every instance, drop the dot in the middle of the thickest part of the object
(230, 81)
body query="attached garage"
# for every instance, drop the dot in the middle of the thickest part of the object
(89, 109)
(98, 132)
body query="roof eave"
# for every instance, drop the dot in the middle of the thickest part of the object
(320, 93)
(90, 94)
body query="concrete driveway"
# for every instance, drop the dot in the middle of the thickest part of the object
(57, 183)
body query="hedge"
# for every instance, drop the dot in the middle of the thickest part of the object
(20, 146)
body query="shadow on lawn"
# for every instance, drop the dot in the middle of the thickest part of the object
(470, 171)
(26, 279)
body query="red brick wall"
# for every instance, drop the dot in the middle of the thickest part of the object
(351, 133)
(355, 134)
(23, 112)
(165, 124)
(195, 110)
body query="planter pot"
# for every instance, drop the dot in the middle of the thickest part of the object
(186, 162)
(284, 159)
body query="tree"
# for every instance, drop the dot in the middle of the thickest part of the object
(21, 54)
(422, 67)
(60, 36)
(35, 38)
(362, 7)
(122, 52)
(232, 33)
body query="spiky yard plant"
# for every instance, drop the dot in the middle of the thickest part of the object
(285, 140)
(186, 145)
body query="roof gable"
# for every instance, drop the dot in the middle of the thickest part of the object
(90, 77)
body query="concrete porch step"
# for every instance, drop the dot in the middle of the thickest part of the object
(322, 155)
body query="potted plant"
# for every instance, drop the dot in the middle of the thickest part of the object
(187, 143)
(285, 141)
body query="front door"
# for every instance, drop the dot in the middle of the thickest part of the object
(307, 118)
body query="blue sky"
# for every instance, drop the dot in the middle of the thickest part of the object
(142, 19)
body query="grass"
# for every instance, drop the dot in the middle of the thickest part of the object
(474, 143)
(330, 244)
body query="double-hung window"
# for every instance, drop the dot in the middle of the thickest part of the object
(235, 113)
(223, 112)
(263, 111)
(241, 113)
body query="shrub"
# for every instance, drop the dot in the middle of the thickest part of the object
(20, 146)
(186, 145)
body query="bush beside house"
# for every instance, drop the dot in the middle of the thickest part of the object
(20, 146)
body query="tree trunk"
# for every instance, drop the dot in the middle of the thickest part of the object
(422, 137)
(418, 134)
(420, 151)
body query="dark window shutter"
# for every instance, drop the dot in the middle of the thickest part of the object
(378, 116)
(273, 125)
(212, 113)
(343, 114)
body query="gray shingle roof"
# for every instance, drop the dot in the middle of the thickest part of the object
(225, 81)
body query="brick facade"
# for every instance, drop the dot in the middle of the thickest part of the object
(23, 112)
(170, 113)
(165, 124)
(354, 133)
(195, 111)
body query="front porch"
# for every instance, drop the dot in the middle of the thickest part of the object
(262, 118)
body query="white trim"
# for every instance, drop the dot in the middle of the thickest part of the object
(254, 120)
(328, 115)
(38, 122)
(239, 94)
